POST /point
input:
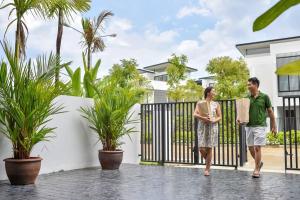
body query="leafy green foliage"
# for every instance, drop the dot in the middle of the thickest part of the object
(176, 70)
(92, 39)
(115, 95)
(20, 8)
(273, 13)
(231, 77)
(111, 114)
(68, 7)
(126, 75)
(89, 80)
(279, 137)
(292, 68)
(26, 102)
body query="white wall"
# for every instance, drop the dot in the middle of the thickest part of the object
(263, 66)
(74, 145)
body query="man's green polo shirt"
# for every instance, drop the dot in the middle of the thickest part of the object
(258, 110)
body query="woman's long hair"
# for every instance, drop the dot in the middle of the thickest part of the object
(207, 90)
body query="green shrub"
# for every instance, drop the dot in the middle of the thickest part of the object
(279, 137)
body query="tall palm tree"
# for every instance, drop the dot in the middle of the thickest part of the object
(20, 8)
(63, 9)
(91, 33)
(292, 68)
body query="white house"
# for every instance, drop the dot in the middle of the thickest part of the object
(263, 58)
(157, 74)
(207, 81)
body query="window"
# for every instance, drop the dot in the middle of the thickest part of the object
(261, 50)
(288, 83)
(161, 78)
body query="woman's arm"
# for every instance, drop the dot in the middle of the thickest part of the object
(219, 115)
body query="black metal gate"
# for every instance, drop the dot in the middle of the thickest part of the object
(169, 135)
(291, 124)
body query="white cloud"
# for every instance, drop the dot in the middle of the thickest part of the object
(192, 10)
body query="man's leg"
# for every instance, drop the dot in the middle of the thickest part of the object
(252, 151)
(257, 159)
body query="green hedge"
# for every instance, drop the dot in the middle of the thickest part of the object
(279, 138)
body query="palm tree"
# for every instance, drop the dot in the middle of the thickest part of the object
(92, 38)
(21, 8)
(64, 9)
(292, 68)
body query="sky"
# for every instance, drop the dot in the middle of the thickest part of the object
(150, 31)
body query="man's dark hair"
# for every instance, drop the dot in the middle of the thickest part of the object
(254, 81)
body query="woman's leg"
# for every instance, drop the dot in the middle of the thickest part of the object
(203, 152)
(208, 160)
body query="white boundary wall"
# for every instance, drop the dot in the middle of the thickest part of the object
(73, 146)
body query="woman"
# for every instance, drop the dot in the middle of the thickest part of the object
(208, 126)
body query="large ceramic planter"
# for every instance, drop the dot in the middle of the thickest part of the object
(110, 160)
(22, 171)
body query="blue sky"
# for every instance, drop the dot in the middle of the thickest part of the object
(151, 30)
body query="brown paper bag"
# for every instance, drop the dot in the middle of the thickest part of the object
(203, 108)
(242, 108)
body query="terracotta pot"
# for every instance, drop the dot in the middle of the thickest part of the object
(22, 171)
(110, 160)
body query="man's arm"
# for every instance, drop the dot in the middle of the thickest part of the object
(273, 122)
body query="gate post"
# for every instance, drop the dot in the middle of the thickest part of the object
(196, 148)
(242, 145)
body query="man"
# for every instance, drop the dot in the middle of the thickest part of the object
(256, 129)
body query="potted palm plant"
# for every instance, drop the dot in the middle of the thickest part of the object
(26, 105)
(109, 118)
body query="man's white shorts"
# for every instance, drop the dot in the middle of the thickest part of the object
(256, 136)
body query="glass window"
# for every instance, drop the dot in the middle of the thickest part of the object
(288, 83)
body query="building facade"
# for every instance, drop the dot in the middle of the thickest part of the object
(157, 75)
(263, 58)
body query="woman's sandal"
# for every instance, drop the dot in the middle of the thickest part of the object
(206, 173)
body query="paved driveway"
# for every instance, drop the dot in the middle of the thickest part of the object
(134, 182)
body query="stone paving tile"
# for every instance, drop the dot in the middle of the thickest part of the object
(134, 182)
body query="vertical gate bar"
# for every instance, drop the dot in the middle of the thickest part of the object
(142, 132)
(168, 133)
(232, 128)
(154, 132)
(219, 134)
(290, 133)
(295, 130)
(148, 135)
(183, 131)
(296, 139)
(227, 130)
(192, 131)
(223, 152)
(163, 132)
(196, 148)
(179, 130)
(284, 135)
(175, 116)
(172, 136)
(159, 132)
(235, 136)
(188, 131)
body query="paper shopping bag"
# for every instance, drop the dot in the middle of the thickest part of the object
(203, 108)
(242, 108)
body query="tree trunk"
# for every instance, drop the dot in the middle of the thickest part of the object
(18, 40)
(89, 58)
(58, 43)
